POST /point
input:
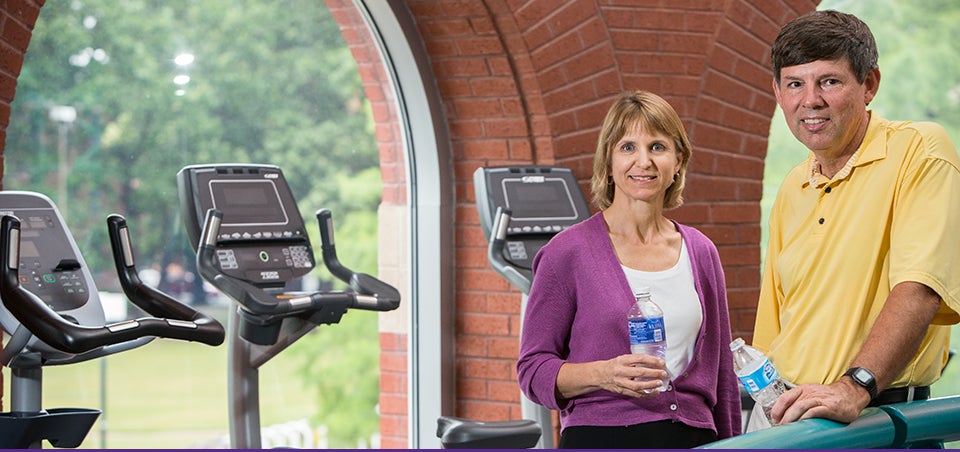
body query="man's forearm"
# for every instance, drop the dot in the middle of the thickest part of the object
(896, 335)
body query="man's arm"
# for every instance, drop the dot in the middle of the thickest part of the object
(893, 340)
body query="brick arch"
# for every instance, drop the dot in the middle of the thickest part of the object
(708, 59)
(566, 62)
(527, 81)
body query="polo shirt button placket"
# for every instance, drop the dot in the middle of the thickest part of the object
(826, 191)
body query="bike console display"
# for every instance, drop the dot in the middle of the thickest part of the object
(262, 237)
(49, 266)
(525, 206)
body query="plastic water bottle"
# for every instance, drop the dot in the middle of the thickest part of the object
(647, 333)
(757, 375)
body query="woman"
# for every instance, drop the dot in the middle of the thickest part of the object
(575, 351)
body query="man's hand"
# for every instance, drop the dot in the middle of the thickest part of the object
(841, 401)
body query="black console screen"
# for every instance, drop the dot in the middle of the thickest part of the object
(548, 199)
(248, 202)
(262, 238)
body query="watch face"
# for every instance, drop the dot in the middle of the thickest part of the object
(862, 375)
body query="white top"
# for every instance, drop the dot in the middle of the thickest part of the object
(674, 291)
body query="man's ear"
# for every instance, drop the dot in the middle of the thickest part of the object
(776, 90)
(872, 83)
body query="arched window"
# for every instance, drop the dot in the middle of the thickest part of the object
(115, 98)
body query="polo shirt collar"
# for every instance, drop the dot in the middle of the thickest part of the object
(872, 148)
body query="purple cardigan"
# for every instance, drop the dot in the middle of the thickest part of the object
(577, 311)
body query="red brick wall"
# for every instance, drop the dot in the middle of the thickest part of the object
(16, 26)
(528, 82)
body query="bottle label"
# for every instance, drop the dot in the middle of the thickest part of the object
(760, 378)
(645, 331)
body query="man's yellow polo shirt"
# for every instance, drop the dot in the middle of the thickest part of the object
(837, 247)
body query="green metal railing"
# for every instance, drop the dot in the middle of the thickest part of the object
(921, 424)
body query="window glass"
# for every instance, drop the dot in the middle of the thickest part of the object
(113, 99)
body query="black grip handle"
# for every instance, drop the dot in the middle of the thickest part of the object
(495, 247)
(372, 294)
(328, 248)
(154, 302)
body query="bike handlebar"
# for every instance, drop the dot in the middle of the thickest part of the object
(370, 293)
(62, 334)
(384, 296)
(151, 300)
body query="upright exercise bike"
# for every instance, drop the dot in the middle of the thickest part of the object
(52, 313)
(520, 208)
(251, 241)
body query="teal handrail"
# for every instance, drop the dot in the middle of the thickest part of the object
(924, 423)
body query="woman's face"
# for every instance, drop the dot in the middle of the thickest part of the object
(643, 165)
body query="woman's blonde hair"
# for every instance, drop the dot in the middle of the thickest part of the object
(654, 115)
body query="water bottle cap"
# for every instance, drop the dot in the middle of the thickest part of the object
(737, 343)
(641, 291)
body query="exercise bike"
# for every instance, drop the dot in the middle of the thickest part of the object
(250, 242)
(53, 316)
(520, 208)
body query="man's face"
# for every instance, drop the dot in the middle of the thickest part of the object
(824, 105)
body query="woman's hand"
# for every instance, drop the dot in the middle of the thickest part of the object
(634, 375)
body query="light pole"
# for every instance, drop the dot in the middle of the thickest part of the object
(63, 115)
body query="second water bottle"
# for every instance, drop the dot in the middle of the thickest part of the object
(757, 375)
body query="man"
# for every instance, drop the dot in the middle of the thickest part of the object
(861, 276)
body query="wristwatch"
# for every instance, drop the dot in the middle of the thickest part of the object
(863, 377)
